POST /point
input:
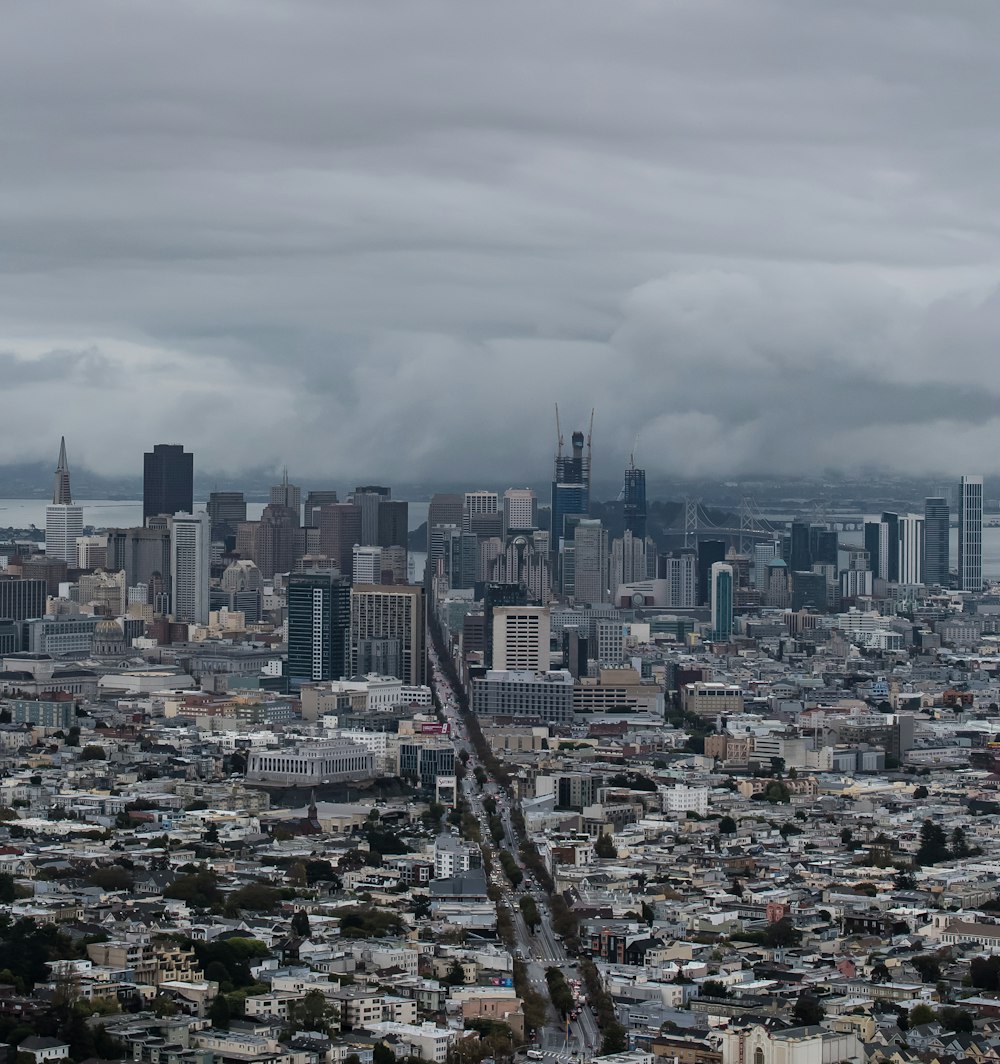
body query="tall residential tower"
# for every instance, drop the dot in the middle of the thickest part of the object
(970, 534)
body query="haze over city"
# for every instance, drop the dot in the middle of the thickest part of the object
(363, 239)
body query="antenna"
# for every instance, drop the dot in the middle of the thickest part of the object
(635, 447)
(559, 435)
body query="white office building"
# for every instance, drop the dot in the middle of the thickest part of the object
(911, 549)
(63, 527)
(367, 565)
(190, 567)
(970, 534)
(521, 637)
(520, 510)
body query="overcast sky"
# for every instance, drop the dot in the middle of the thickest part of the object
(384, 238)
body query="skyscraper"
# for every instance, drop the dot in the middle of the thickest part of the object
(937, 518)
(190, 567)
(167, 480)
(800, 559)
(392, 523)
(590, 543)
(497, 595)
(520, 510)
(289, 496)
(710, 551)
(970, 533)
(314, 500)
(571, 482)
(319, 627)
(722, 601)
(63, 520)
(227, 508)
(387, 622)
(911, 548)
(367, 499)
(635, 501)
(882, 544)
(339, 530)
(521, 638)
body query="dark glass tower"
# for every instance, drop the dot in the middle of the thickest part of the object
(800, 559)
(710, 551)
(937, 518)
(635, 502)
(319, 627)
(570, 485)
(167, 480)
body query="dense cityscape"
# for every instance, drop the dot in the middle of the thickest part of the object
(268, 793)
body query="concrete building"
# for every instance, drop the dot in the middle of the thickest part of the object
(316, 762)
(521, 638)
(190, 567)
(541, 697)
(970, 533)
(366, 564)
(912, 535)
(388, 614)
(520, 510)
(590, 561)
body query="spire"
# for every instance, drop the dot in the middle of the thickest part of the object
(61, 495)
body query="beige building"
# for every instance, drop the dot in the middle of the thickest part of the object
(387, 631)
(521, 637)
(709, 699)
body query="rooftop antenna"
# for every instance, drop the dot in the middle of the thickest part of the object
(559, 435)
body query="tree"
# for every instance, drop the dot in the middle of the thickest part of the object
(782, 933)
(614, 1040)
(300, 923)
(955, 1019)
(8, 889)
(846, 836)
(456, 975)
(312, 1013)
(605, 847)
(881, 973)
(959, 845)
(727, 826)
(92, 752)
(808, 1010)
(919, 1015)
(219, 1012)
(933, 844)
(919, 792)
(713, 988)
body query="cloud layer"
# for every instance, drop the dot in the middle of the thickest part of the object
(383, 239)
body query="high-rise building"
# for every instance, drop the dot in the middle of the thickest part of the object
(279, 541)
(226, 508)
(570, 484)
(63, 520)
(366, 566)
(710, 551)
(882, 544)
(911, 548)
(368, 499)
(190, 567)
(763, 553)
(444, 509)
(628, 561)
(319, 627)
(722, 601)
(823, 545)
(339, 530)
(479, 504)
(680, 571)
(937, 518)
(393, 523)
(635, 501)
(144, 554)
(495, 596)
(92, 551)
(520, 510)
(799, 559)
(167, 480)
(314, 500)
(20, 600)
(388, 617)
(970, 533)
(289, 496)
(590, 542)
(521, 638)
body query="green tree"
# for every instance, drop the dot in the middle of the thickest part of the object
(959, 845)
(919, 1015)
(727, 826)
(92, 752)
(846, 836)
(219, 1012)
(781, 934)
(312, 1013)
(933, 844)
(808, 1010)
(919, 794)
(300, 923)
(456, 975)
(955, 1019)
(714, 989)
(605, 847)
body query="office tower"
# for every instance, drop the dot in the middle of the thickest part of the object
(520, 510)
(479, 504)
(495, 596)
(823, 545)
(227, 508)
(144, 554)
(190, 567)
(882, 544)
(367, 499)
(319, 627)
(521, 638)
(911, 548)
(392, 523)
(21, 600)
(710, 551)
(722, 582)
(635, 501)
(575, 651)
(680, 571)
(799, 560)
(570, 484)
(937, 518)
(590, 542)
(444, 509)
(763, 553)
(314, 500)
(970, 534)
(855, 583)
(628, 561)
(777, 584)
(809, 591)
(386, 619)
(288, 495)
(279, 541)
(63, 520)
(339, 530)
(92, 551)
(167, 480)
(366, 566)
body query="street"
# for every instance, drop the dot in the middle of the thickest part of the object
(580, 1038)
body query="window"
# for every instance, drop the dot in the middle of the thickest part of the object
(758, 1056)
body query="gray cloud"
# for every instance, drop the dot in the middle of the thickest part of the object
(382, 240)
